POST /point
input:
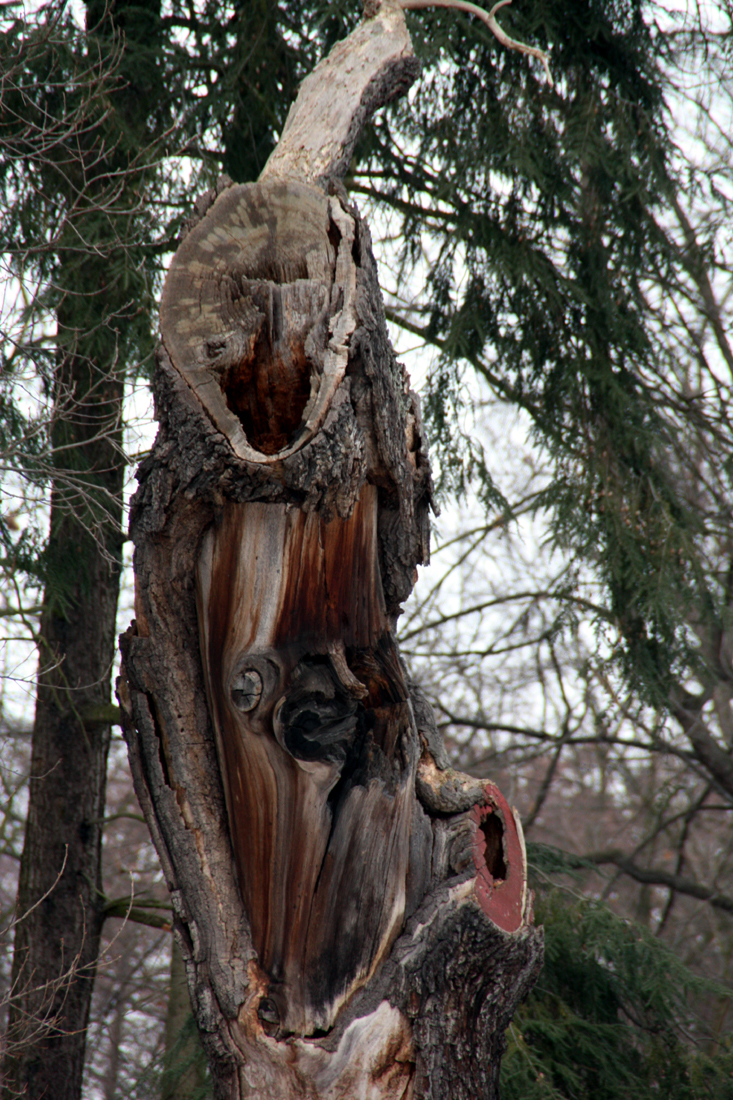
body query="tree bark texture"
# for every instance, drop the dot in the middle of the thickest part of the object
(60, 898)
(353, 914)
(60, 903)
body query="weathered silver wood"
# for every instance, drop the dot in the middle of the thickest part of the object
(373, 66)
(258, 323)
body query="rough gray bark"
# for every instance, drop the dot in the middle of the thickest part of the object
(83, 171)
(353, 915)
(60, 899)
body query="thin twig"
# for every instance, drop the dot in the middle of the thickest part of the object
(489, 18)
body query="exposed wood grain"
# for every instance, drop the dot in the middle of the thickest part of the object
(257, 312)
(353, 916)
(319, 755)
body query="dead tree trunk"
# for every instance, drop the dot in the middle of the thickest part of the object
(353, 915)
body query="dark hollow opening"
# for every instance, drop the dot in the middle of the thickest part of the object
(269, 1015)
(493, 831)
(269, 397)
(269, 388)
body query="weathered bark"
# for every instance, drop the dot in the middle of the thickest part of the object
(60, 903)
(353, 915)
(60, 897)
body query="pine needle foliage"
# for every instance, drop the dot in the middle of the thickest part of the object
(236, 69)
(566, 273)
(76, 169)
(179, 1074)
(609, 1017)
(94, 124)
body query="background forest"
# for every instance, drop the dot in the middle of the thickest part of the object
(556, 261)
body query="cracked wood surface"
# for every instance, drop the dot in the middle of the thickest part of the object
(319, 759)
(257, 312)
(353, 915)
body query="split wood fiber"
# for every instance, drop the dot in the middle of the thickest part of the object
(353, 914)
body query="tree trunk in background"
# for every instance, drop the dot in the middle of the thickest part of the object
(114, 1036)
(353, 915)
(184, 1065)
(60, 894)
(98, 285)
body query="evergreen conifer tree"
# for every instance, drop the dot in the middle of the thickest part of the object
(581, 271)
(563, 230)
(76, 226)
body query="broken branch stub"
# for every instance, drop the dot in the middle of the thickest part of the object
(373, 66)
(353, 915)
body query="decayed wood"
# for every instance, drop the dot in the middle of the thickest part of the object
(315, 739)
(245, 314)
(353, 915)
